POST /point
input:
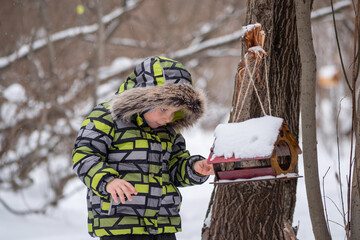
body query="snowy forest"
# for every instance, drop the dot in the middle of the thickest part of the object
(58, 59)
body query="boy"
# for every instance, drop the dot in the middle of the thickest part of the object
(131, 156)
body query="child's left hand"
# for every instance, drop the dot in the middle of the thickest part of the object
(203, 168)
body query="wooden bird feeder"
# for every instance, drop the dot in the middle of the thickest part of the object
(256, 149)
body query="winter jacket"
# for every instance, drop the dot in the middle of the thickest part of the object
(114, 142)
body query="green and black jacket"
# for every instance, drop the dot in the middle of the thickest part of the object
(114, 142)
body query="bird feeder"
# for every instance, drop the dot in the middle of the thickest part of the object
(256, 149)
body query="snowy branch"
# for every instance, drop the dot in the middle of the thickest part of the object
(322, 12)
(123, 64)
(210, 27)
(66, 34)
(211, 43)
(126, 42)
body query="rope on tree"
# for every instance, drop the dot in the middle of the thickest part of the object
(249, 69)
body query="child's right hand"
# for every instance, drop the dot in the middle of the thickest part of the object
(121, 188)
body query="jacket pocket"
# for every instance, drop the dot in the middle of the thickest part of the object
(136, 207)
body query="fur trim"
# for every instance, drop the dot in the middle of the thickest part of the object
(136, 100)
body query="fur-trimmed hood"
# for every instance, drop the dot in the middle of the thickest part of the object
(159, 82)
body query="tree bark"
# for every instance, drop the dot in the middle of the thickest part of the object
(99, 48)
(45, 17)
(308, 119)
(355, 189)
(260, 210)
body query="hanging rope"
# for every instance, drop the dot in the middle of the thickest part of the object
(255, 38)
(267, 86)
(252, 81)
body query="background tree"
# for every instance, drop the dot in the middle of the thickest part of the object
(308, 119)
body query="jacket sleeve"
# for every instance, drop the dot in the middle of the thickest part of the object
(181, 165)
(91, 148)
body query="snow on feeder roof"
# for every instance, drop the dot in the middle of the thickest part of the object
(249, 139)
(254, 148)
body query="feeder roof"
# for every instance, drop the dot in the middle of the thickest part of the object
(254, 138)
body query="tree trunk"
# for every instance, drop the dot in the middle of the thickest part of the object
(260, 210)
(99, 49)
(308, 119)
(355, 191)
(355, 188)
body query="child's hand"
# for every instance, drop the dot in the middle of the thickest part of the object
(203, 168)
(121, 188)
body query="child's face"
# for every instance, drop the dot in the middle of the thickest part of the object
(159, 116)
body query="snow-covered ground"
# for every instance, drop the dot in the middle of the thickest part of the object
(68, 221)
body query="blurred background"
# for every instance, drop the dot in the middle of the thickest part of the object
(58, 59)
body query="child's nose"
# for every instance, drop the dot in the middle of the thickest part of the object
(169, 117)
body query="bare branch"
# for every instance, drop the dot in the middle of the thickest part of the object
(325, 208)
(65, 34)
(326, 11)
(127, 63)
(26, 212)
(339, 164)
(338, 45)
(44, 14)
(205, 30)
(99, 48)
(215, 42)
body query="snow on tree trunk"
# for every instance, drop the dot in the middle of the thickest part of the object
(264, 209)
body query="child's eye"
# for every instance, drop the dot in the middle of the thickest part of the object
(163, 109)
